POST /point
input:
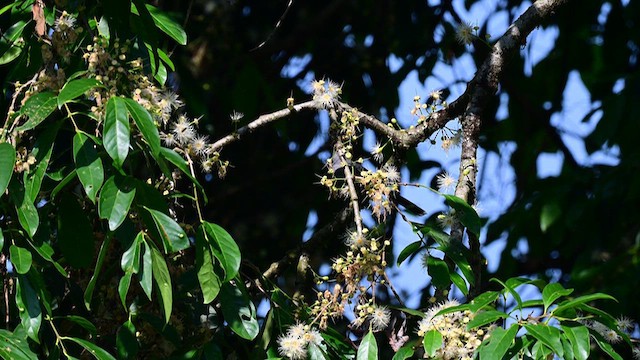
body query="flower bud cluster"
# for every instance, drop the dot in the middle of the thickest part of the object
(457, 341)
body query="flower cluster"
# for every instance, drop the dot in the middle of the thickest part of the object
(326, 93)
(380, 186)
(611, 335)
(457, 342)
(294, 343)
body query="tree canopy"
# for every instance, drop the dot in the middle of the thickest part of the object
(161, 163)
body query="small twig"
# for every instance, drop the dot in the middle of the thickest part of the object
(353, 195)
(275, 28)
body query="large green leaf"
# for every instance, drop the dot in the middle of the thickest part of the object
(163, 281)
(499, 343)
(483, 300)
(432, 342)
(7, 162)
(409, 250)
(486, 317)
(97, 352)
(15, 346)
(173, 236)
(405, 352)
(130, 261)
(224, 248)
(165, 23)
(177, 160)
(368, 348)
(548, 335)
(20, 258)
(37, 108)
(115, 200)
(146, 271)
(465, 213)
(75, 233)
(27, 212)
(552, 292)
(146, 125)
(28, 307)
(46, 251)
(126, 342)
(11, 42)
(579, 338)
(88, 292)
(88, 165)
(607, 348)
(238, 310)
(123, 288)
(439, 272)
(116, 136)
(209, 280)
(568, 304)
(75, 88)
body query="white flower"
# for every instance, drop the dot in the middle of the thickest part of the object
(445, 182)
(464, 33)
(379, 318)
(183, 130)
(326, 93)
(292, 347)
(199, 145)
(236, 116)
(64, 22)
(448, 219)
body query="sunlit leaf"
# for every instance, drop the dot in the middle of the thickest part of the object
(20, 258)
(28, 307)
(88, 165)
(7, 162)
(163, 281)
(11, 42)
(146, 271)
(37, 108)
(239, 311)
(368, 348)
(499, 343)
(409, 250)
(75, 88)
(164, 23)
(578, 336)
(15, 346)
(548, 335)
(209, 280)
(432, 342)
(115, 200)
(465, 213)
(145, 124)
(173, 236)
(224, 248)
(116, 136)
(552, 292)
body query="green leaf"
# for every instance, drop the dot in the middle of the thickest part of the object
(499, 343)
(368, 348)
(548, 335)
(224, 248)
(11, 42)
(578, 336)
(459, 282)
(20, 258)
(165, 24)
(97, 352)
(75, 233)
(145, 124)
(177, 160)
(432, 342)
(439, 236)
(7, 162)
(75, 88)
(116, 134)
(486, 317)
(549, 214)
(163, 281)
(405, 352)
(123, 288)
(88, 165)
(115, 200)
(510, 290)
(130, 261)
(457, 253)
(86, 324)
(607, 348)
(209, 280)
(28, 307)
(238, 310)
(552, 292)
(173, 236)
(88, 292)
(315, 352)
(46, 252)
(409, 250)
(27, 212)
(439, 272)
(37, 108)
(146, 272)
(465, 213)
(483, 300)
(126, 342)
(15, 346)
(568, 304)
(1, 240)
